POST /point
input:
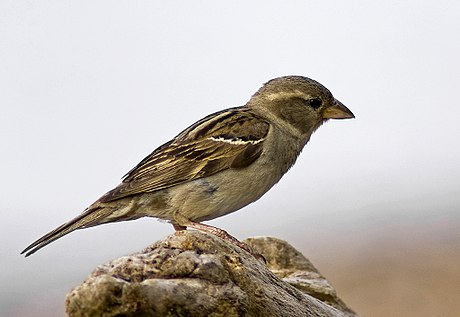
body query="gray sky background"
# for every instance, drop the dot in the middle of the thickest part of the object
(88, 88)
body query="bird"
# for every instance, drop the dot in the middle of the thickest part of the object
(217, 165)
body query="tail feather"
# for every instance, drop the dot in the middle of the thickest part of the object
(90, 217)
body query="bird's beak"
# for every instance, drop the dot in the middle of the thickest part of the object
(337, 111)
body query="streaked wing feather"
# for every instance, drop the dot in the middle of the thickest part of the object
(231, 138)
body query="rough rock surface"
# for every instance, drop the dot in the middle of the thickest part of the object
(191, 273)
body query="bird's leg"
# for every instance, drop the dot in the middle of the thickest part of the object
(185, 222)
(221, 234)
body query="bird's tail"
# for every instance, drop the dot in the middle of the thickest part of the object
(90, 217)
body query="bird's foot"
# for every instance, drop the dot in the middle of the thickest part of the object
(221, 234)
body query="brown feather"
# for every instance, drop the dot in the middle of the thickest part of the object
(231, 138)
(88, 218)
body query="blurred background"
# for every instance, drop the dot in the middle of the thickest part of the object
(88, 88)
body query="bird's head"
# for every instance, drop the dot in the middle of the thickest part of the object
(299, 103)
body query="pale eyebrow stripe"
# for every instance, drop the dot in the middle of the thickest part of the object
(286, 95)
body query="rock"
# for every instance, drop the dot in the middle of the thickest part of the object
(292, 267)
(191, 273)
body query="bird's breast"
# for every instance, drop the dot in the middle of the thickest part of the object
(229, 190)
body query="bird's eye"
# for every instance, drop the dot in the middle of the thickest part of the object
(314, 103)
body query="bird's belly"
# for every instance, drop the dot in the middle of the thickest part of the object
(221, 194)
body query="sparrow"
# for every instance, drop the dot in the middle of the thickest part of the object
(219, 164)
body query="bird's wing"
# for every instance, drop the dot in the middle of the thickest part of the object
(230, 138)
